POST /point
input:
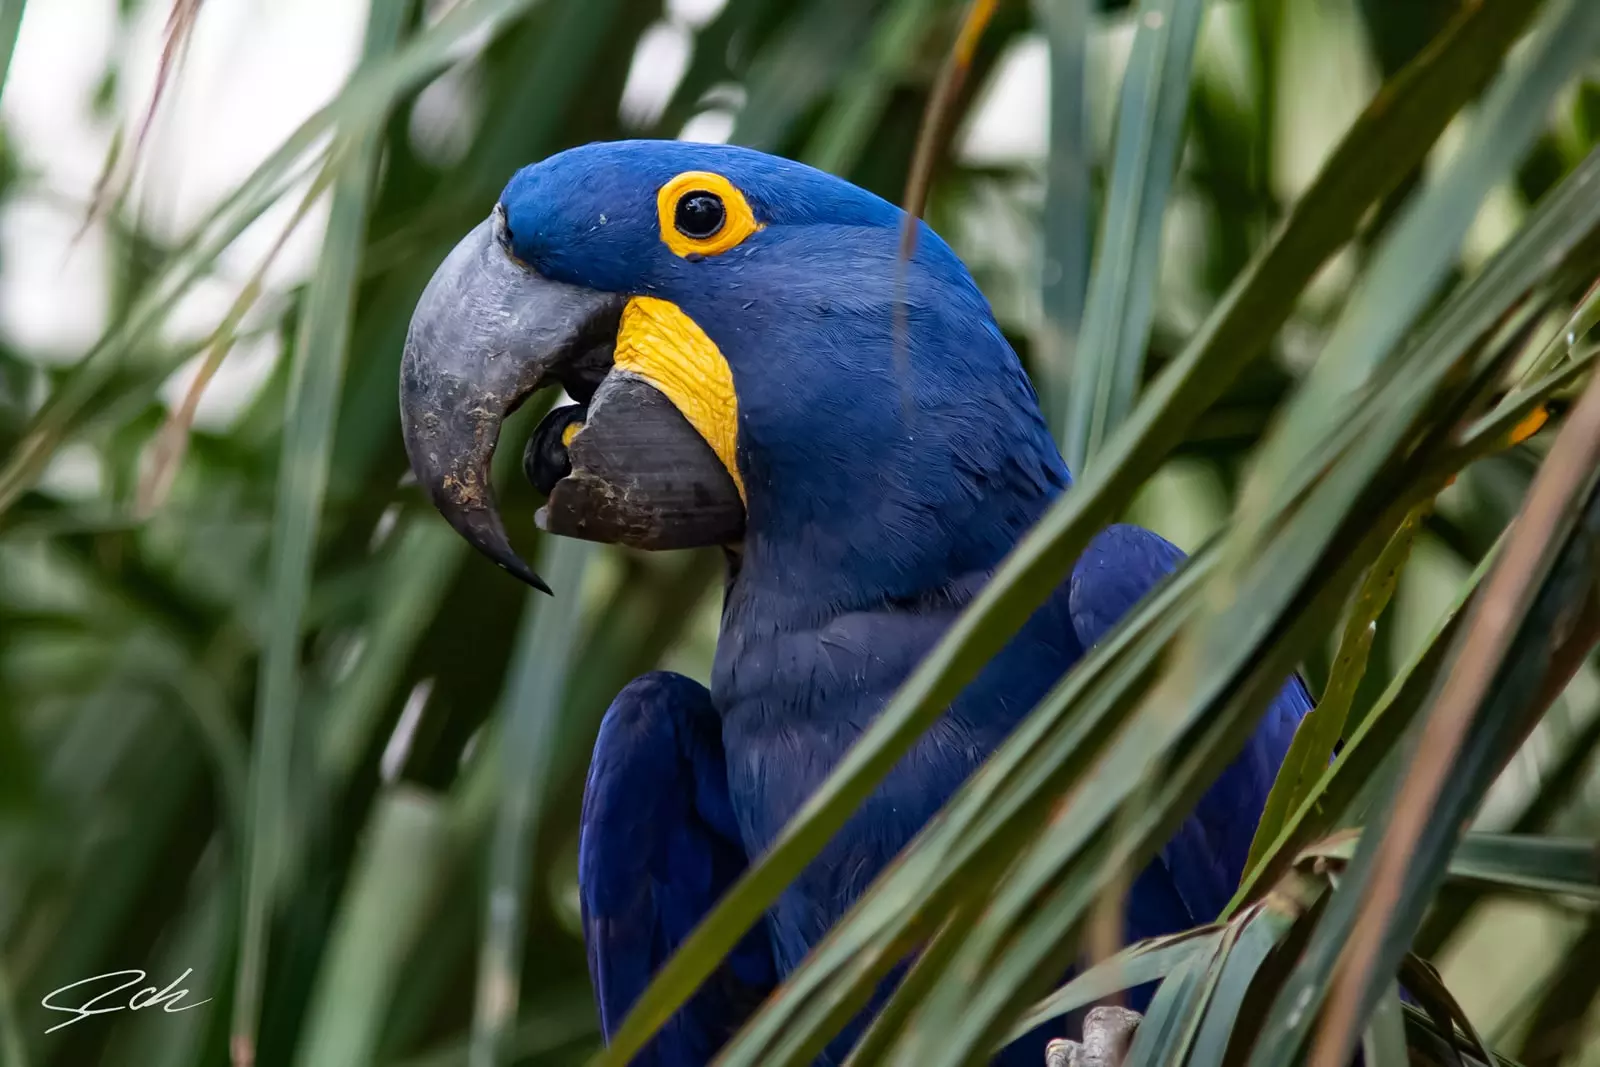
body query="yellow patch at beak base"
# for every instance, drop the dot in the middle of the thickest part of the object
(659, 344)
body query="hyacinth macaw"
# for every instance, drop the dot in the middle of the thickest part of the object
(726, 322)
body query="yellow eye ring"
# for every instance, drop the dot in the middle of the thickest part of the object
(683, 198)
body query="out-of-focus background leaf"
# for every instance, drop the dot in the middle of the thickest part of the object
(265, 720)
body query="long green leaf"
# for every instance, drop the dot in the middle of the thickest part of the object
(794, 71)
(1263, 933)
(845, 129)
(1568, 37)
(1146, 961)
(1109, 361)
(1370, 747)
(892, 1018)
(12, 1045)
(1524, 673)
(1554, 794)
(1385, 1040)
(1067, 215)
(1018, 951)
(424, 560)
(1556, 1023)
(384, 909)
(1413, 262)
(1549, 865)
(1423, 981)
(1432, 1044)
(302, 480)
(1518, 409)
(10, 22)
(1565, 216)
(198, 941)
(532, 709)
(559, 1021)
(1320, 731)
(1167, 1024)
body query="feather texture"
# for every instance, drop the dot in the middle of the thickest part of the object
(658, 845)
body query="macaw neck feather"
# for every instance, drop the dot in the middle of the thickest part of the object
(889, 440)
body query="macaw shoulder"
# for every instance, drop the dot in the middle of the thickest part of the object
(1202, 863)
(658, 845)
(1116, 570)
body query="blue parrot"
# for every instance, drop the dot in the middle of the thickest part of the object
(753, 367)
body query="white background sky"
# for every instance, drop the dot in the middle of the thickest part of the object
(256, 68)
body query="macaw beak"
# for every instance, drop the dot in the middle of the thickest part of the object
(487, 333)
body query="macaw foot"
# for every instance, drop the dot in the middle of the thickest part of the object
(1107, 1033)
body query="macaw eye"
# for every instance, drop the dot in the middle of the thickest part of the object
(703, 214)
(700, 214)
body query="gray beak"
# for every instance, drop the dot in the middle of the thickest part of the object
(486, 334)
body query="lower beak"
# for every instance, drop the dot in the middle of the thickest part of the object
(626, 467)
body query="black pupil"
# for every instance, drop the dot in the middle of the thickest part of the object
(700, 214)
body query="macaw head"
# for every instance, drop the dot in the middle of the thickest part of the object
(752, 360)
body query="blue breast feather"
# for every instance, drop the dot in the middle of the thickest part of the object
(663, 835)
(657, 847)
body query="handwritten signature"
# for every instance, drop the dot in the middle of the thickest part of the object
(149, 997)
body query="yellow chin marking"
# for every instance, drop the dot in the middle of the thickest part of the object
(658, 343)
(570, 432)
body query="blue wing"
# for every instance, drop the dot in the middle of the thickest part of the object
(657, 847)
(1197, 872)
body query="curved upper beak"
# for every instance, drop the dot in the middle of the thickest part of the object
(488, 332)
